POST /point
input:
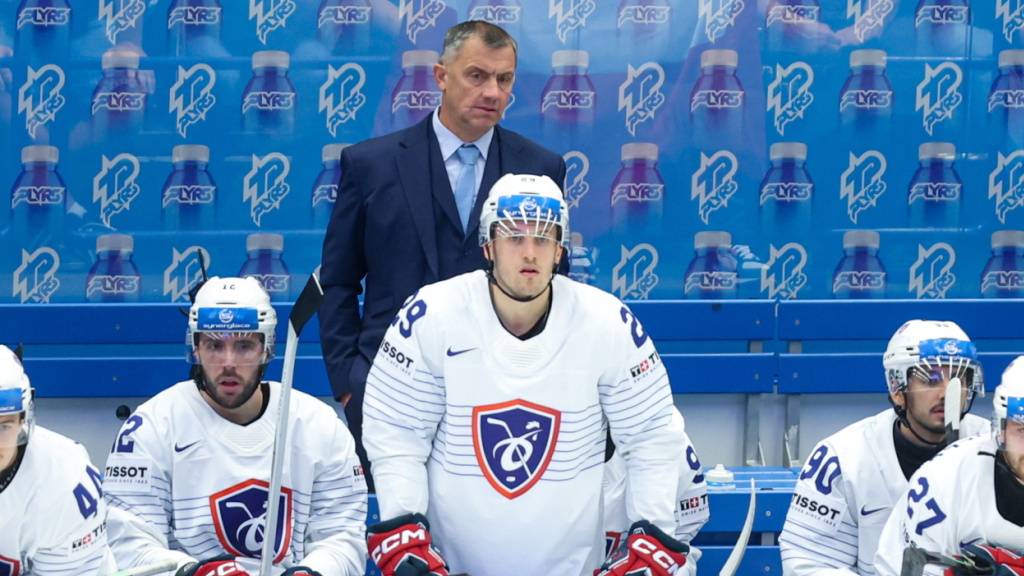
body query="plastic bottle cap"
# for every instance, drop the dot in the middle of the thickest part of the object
(264, 241)
(641, 150)
(795, 150)
(112, 242)
(1011, 58)
(719, 58)
(712, 239)
(332, 152)
(270, 59)
(190, 152)
(577, 58)
(861, 239)
(1001, 238)
(40, 153)
(868, 58)
(120, 58)
(413, 58)
(943, 150)
(719, 477)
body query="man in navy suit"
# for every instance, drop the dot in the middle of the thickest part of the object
(409, 202)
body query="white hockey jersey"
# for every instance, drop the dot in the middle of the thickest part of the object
(501, 441)
(844, 495)
(184, 483)
(951, 503)
(52, 514)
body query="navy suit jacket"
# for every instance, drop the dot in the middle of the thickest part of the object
(384, 228)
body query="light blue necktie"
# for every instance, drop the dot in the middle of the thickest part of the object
(465, 188)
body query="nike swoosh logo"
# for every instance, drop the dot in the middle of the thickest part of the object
(865, 512)
(457, 352)
(178, 448)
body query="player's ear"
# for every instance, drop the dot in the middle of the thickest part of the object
(899, 398)
(487, 252)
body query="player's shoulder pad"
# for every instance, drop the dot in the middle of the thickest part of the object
(61, 456)
(951, 466)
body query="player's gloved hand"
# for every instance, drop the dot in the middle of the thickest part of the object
(647, 550)
(402, 547)
(223, 565)
(300, 571)
(987, 559)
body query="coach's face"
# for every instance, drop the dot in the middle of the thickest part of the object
(476, 85)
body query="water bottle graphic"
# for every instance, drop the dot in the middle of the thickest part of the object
(792, 25)
(343, 26)
(866, 100)
(638, 191)
(787, 190)
(1006, 101)
(859, 274)
(268, 102)
(582, 260)
(716, 102)
(189, 195)
(568, 100)
(942, 27)
(415, 95)
(38, 197)
(325, 189)
(933, 198)
(194, 27)
(265, 263)
(119, 100)
(7, 89)
(43, 29)
(1003, 276)
(113, 277)
(712, 272)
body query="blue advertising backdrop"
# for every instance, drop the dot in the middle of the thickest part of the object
(715, 148)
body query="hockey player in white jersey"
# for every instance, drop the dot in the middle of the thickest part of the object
(853, 478)
(965, 508)
(52, 514)
(188, 475)
(487, 407)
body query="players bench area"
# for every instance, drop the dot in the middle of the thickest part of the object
(767, 352)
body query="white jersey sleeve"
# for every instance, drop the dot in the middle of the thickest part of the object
(403, 405)
(819, 536)
(137, 486)
(637, 401)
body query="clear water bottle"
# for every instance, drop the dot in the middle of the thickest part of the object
(343, 26)
(189, 194)
(787, 190)
(792, 25)
(866, 100)
(113, 277)
(194, 27)
(712, 272)
(716, 102)
(415, 95)
(1006, 101)
(119, 100)
(859, 274)
(265, 263)
(568, 101)
(582, 260)
(638, 191)
(942, 27)
(933, 198)
(38, 197)
(1003, 276)
(325, 189)
(43, 30)
(268, 102)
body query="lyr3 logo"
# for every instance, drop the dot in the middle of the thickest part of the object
(783, 275)
(640, 95)
(1012, 14)
(1006, 183)
(789, 94)
(114, 186)
(862, 182)
(570, 15)
(640, 14)
(420, 15)
(714, 182)
(36, 279)
(500, 15)
(341, 95)
(938, 94)
(936, 13)
(931, 275)
(45, 17)
(192, 96)
(39, 98)
(577, 166)
(633, 277)
(265, 186)
(120, 15)
(194, 16)
(792, 15)
(719, 16)
(868, 15)
(270, 15)
(185, 271)
(344, 15)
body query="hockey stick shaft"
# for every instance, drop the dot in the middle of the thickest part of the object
(306, 305)
(732, 563)
(149, 569)
(952, 408)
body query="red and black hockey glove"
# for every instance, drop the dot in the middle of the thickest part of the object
(223, 565)
(402, 547)
(648, 550)
(300, 571)
(987, 559)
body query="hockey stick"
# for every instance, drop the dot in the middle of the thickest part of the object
(952, 409)
(306, 305)
(149, 569)
(915, 559)
(732, 563)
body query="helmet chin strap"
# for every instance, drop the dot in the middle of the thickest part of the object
(901, 415)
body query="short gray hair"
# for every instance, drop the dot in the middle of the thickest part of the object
(493, 37)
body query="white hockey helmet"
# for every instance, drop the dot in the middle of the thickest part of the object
(922, 347)
(528, 199)
(226, 306)
(16, 394)
(1008, 400)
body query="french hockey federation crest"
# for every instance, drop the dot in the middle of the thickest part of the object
(514, 442)
(9, 566)
(239, 513)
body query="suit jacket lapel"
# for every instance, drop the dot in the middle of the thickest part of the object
(413, 163)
